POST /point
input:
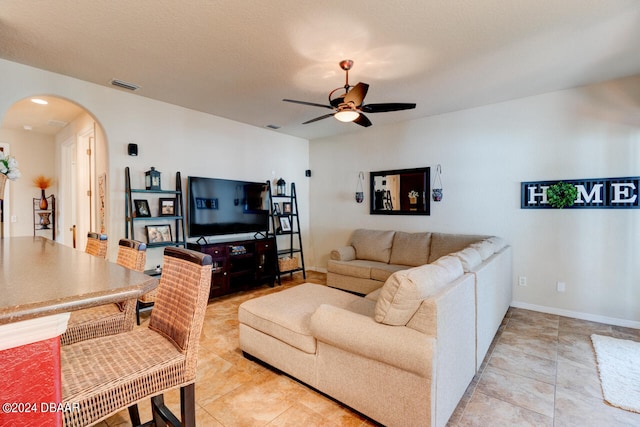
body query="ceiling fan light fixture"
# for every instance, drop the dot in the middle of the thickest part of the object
(346, 115)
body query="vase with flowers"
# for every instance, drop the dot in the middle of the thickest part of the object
(8, 171)
(42, 183)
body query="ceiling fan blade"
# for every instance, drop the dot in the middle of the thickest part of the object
(386, 107)
(318, 118)
(362, 120)
(313, 104)
(357, 94)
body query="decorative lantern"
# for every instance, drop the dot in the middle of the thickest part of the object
(359, 189)
(152, 179)
(281, 187)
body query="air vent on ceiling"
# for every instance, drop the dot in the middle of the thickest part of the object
(273, 126)
(57, 123)
(124, 85)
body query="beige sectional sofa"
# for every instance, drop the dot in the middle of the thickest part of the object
(403, 354)
(373, 255)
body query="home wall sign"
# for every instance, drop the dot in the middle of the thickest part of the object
(603, 193)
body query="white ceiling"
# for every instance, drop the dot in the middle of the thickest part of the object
(238, 59)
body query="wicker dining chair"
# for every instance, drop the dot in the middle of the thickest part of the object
(145, 301)
(102, 376)
(96, 245)
(108, 319)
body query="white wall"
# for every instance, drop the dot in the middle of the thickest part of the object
(34, 153)
(169, 137)
(485, 153)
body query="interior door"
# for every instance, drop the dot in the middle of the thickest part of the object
(85, 169)
(67, 211)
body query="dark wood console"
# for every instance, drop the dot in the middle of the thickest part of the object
(240, 264)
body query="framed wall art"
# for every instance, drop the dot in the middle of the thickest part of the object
(142, 208)
(158, 233)
(167, 207)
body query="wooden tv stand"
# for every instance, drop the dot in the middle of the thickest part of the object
(239, 264)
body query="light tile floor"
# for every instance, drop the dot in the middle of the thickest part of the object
(540, 371)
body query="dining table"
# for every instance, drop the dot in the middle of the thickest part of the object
(41, 283)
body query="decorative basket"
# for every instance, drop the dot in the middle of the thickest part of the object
(287, 263)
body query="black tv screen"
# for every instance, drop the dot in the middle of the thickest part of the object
(223, 206)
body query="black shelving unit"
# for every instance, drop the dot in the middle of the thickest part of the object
(44, 220)
(178, 231)
(285, 227)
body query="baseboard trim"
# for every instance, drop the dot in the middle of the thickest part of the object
(577, 315)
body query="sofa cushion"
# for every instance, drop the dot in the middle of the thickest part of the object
(286, 315)
(469, 257)
(498, 243)
(356, 268)
(484, 248)
(443, 244)
(404, 291)
(373, 296)
(373, 245)
(410, 248)
(382, 272)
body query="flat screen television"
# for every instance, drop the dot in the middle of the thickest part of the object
(222, 206)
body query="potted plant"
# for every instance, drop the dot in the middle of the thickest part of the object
(8, 170)
(413, 197)
(562, 195)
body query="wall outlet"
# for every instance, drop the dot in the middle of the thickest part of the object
(522, 280)
(561, 286)
(14, 218)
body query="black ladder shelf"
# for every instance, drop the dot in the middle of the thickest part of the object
(285, 226)
(177, 239)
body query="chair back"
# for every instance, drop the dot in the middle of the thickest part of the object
(183, 293)
(96, 245)
(132, 254)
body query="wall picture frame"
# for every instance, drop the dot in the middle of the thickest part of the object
(167, 206)
(158, 233)
(286, 208)
(285, 224)
(142, 208)
(276, 208)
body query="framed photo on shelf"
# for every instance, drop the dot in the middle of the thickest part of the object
(276, 208)
(158, 233)
(142, 208)
(286, 207)
(285, 224)
(167, 207)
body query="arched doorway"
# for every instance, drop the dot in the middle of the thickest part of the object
(63, 141)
